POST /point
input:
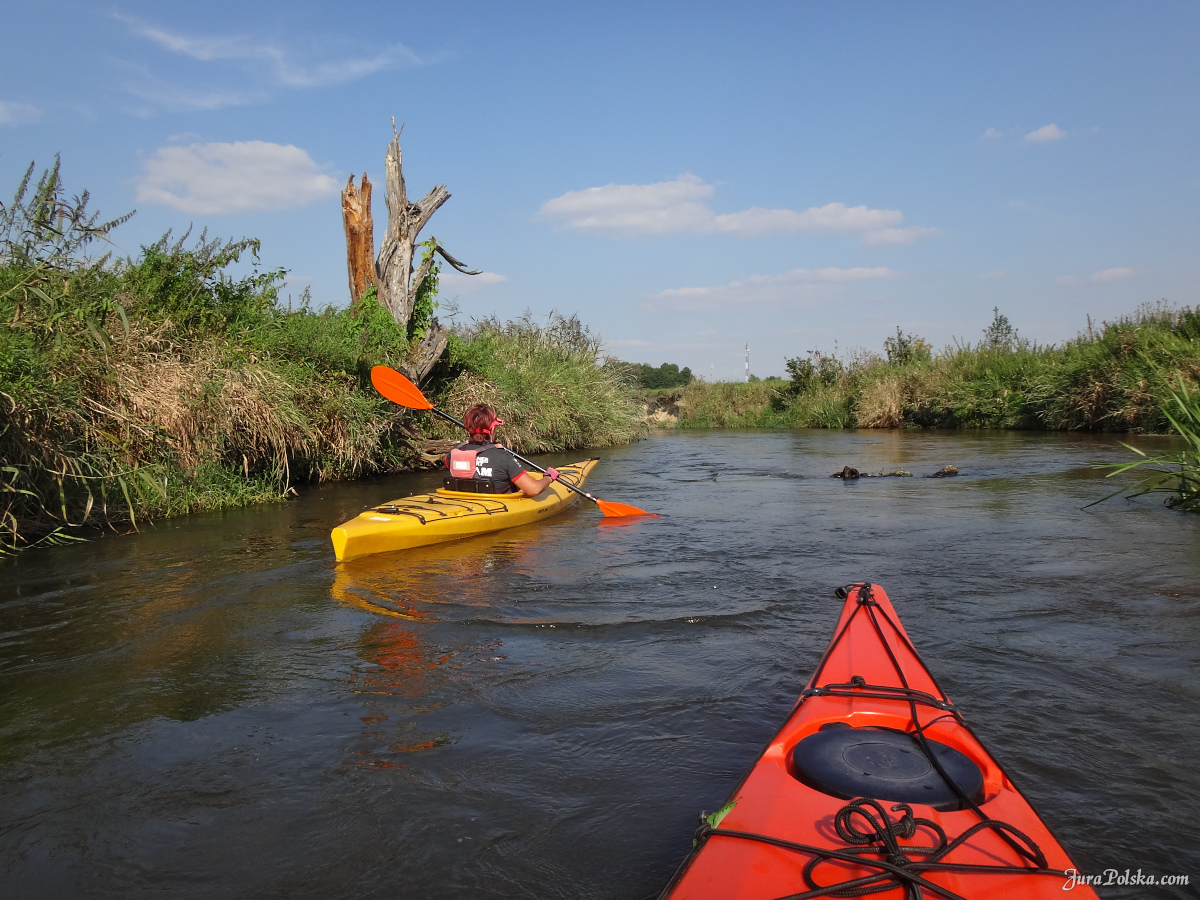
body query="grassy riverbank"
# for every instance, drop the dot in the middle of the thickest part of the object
(1117, 377)
(181, 381)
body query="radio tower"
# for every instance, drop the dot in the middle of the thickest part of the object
(747, 360)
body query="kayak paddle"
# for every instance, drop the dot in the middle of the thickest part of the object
(395, 387)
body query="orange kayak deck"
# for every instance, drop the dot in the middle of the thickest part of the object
(804, 823)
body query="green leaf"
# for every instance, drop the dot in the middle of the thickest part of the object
(715, 819)
(97, 333)
(154, 485)
(128, 501)
(37, 290)
(124, 318)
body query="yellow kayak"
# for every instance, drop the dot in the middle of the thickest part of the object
(451, 515)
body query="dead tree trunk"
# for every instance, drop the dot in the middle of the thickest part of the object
(425, 352)
(393, 274)
(405, 220)
(360, 237)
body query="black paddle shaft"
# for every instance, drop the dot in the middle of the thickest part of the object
(517, 456)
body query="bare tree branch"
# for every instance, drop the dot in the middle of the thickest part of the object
(462, 267)
(427, 264)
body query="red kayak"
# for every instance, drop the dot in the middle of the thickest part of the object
(875, 785)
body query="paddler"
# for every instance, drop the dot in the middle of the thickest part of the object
(484, 467)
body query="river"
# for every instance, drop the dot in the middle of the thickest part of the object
(212, 708)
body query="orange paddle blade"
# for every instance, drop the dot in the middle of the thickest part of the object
(398, 389)
(615, 510)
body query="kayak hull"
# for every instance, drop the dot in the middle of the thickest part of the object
(443, 515)
(871, 682)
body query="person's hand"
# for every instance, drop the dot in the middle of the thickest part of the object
(553, 473)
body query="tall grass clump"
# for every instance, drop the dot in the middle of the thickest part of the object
(1178, 474)
(544, 381)
(728, 404)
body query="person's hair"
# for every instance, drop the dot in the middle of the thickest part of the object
(478, 420)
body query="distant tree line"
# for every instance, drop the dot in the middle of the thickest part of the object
(668, 375)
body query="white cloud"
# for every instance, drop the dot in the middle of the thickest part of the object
(18, 113)
(991, 134)
(663, 208)
(672, 207)
(459, 283)
(186, 99)
(1046, 133)
(833, 218)
(884, 236)
(997, 275)
(281, 62)
(238, 177)
(796, 286)
(1112, 275)
(1102, 277)
(262, 66)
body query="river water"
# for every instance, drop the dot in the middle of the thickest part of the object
(212, 708)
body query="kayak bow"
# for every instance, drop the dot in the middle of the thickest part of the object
(874, 785)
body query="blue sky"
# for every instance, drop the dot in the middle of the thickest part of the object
(687, 178)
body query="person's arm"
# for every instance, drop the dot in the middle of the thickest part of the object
(530, 486)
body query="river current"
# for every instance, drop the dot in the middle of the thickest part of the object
(212, 708)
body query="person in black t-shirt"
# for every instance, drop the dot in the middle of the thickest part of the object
(482, 460)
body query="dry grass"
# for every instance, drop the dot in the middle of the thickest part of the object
(881, 404)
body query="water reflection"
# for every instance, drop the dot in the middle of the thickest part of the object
(412, 584)
(399, 665)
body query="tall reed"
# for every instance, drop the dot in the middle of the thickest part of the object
(1176, 474)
